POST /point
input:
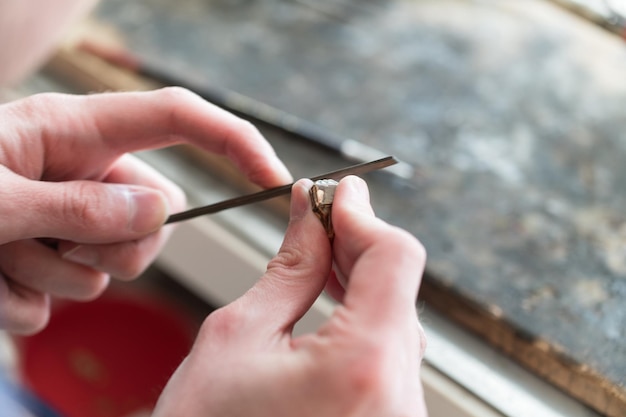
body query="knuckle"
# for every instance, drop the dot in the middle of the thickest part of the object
(244, 128)
(81, 207)
(249, 130)
(292, 262)
(238, 131)
(173, 95)
(287, 259)
(244, 144)
(37, 102)
(366, 373)
(92, 287)
(174, 102)
(129, 260)
(407, 244)
(224, 323)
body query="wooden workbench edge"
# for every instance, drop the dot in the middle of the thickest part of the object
(540, 356)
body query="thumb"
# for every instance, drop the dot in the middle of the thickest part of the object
(297, 274)
(85, 211)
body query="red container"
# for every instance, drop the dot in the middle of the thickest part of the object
(107, 358)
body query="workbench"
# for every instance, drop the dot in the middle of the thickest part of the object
(513, 115)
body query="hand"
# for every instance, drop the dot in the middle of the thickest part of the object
(65, 175)
(364, 361)
(34, 28)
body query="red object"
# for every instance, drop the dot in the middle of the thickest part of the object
(107, 358)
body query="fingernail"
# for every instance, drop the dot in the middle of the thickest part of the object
(148, 209)
(358, 189)
(83, 255)
(300, 201)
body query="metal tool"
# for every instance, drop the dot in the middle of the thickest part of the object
(278, 191)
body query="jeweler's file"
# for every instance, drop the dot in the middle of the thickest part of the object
(278, 191)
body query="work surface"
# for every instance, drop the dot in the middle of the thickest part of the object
(513, 114)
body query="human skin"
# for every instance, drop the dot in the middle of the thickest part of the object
(66, 175)
(364, 361)
(29, 29)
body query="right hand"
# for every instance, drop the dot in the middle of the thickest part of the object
(65, 174)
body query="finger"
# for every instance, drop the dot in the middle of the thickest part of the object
(101, 127)
(22, 310)
(127, 260)
(355, 197)
(296, 275)
(124, 260)
(35, 266)
(334, 288)
(131, 170)
(82, 211)
(384, 263)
